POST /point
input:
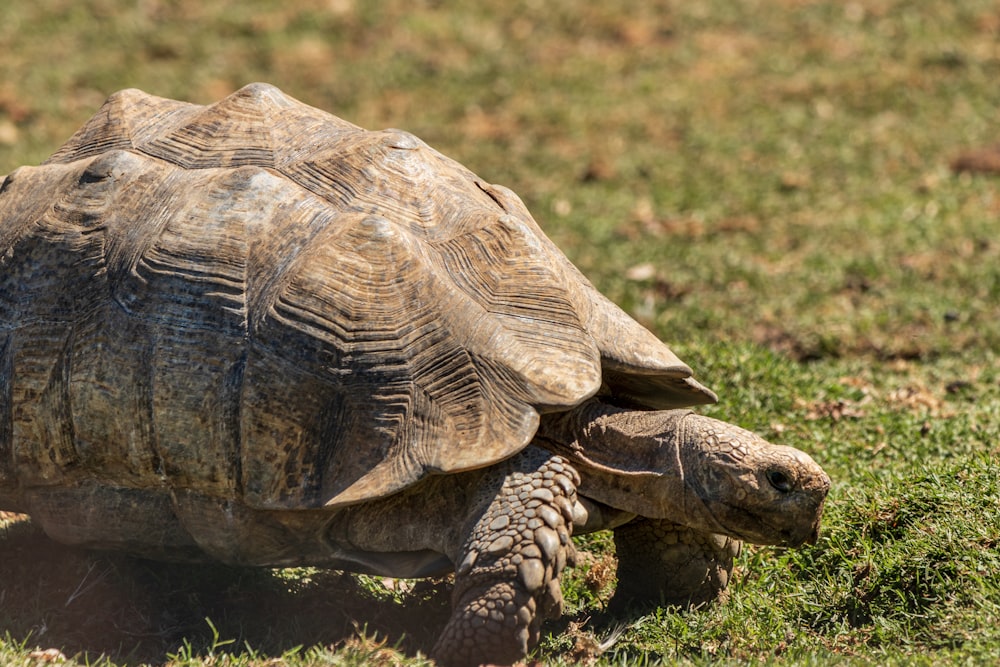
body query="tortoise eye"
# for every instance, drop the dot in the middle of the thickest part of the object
(779, 480)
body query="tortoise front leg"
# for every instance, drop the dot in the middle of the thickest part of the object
(661, 562)
(518, 543)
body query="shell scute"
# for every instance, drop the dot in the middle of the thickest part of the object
(125, 121)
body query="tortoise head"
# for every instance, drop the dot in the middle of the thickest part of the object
(693, 470)
(748, 487)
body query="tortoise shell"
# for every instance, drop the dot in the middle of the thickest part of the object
(258, 300)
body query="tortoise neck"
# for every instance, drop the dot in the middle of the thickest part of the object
(619, 439)
(630, 460)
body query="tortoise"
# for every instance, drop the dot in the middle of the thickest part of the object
(256, 333)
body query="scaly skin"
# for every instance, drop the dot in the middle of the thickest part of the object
(662, 562)
(507, 580)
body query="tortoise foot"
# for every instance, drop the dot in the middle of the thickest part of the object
(507, 581)
(661, 562)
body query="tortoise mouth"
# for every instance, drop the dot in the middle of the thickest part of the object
(759, 530)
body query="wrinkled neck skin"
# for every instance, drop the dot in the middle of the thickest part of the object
(644, 478)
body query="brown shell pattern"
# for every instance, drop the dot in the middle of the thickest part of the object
(257, 299)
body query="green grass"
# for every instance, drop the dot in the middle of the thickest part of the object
(764, 184)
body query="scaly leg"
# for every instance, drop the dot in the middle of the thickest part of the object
(661, 562)
(518, 543)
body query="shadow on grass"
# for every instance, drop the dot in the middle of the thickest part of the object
(132, 611)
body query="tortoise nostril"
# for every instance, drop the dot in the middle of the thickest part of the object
(779, 480)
